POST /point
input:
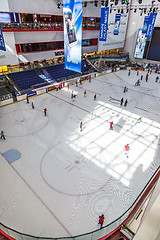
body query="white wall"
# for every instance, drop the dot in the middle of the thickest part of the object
(4, 6)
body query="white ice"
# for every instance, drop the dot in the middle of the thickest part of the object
(66, 178)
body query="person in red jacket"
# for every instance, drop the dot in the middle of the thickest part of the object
(126, 149)
(45, 111)
(101, 220)
(111, 125)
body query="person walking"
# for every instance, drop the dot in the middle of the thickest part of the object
(139, 120)
(45, 111)
(85, 93)
(81, 126)
(141, 77)
(125, 104)
(32, 105)
(101, 220)
(121, 101)
(2, 135)
(147, 77)
(95, 97)
(137, 72)
(125, 89)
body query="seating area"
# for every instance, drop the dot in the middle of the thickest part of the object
(26, 79)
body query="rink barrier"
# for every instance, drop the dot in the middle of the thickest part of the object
(99, 234)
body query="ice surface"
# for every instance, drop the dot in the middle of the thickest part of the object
(66, 178)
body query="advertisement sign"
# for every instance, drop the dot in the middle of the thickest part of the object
(104, 24)
(140, 45)
(117, 24)
(145, 24)
(151, 22)
(72, 15)
(2, 44)
(116, 32)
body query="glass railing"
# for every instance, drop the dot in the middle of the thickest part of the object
(44, 25)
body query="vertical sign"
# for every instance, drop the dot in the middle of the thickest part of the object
(151, 22)
(117, 24)
(2, 44)
(72, 15)
(145, 24)
(104, 24)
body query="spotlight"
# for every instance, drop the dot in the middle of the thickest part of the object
(118, 10)
(110, 11)
(84, 4)
(135, 10)
(102, 3)
(145, 10)
(140, 1)
(116, 2)
(154, 10)
(106, 3)
(58, 5)
(141, 13)
(123, 2)
(96, 3)
(122, 10)
(127, 10)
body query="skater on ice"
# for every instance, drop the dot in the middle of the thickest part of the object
(111, 125)
(121, 101)
(81, 126)
(125, 104)
(101, 220)
(127, 149)
(45, 111)
(95, 97)
(2, 135)
(32, 105)
(85, 93)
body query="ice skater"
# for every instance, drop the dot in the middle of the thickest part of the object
(32, 105)
(125, 89)
(125, 104)
(141, 77)
(76, 84)
(95, 97)
(81, 126)
(111, 125)
(139, 120)
(147, 77)
(85, 93)
(45, 111)
(137, 73)
(157, 79)
(2, 135)
(121, 101)
(101, 220)
(129, 73)
(127, 150)
(27, 99)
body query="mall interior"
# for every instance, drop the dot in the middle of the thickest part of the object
(33, 62)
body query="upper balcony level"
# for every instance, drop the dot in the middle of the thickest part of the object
(38, 22)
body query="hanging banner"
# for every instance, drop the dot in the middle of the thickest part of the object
(117, 24)
(72, 15)
(151, 22)
(2, 44)
(145, 24)
(104, 24)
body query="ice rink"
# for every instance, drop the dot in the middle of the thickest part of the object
(55, 180)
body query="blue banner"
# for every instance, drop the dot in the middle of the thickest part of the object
(72, 15)
(151, 22)
(2, 44)
(145, 24)
(104, 24)
(117, 24)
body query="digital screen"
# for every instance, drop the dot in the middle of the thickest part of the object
(86, 42)
(140, 45)
(154, 50)
(91, 19)
(70, 26)
(5, 18)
